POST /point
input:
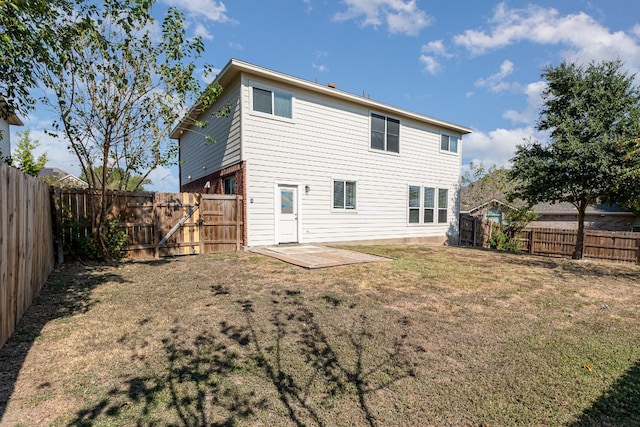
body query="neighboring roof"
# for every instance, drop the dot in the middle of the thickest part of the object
(235, 67)
(62, 177)
(491, 202)
(565, 208)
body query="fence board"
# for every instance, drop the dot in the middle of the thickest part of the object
(26, 244)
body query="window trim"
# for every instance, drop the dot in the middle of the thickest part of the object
(344, 197)
(386, 133)
(273, 90)
(448, 150)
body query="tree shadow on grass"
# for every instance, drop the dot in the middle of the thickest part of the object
(250, 367)
(66, 293)
(330, 374)
(618, 406)
(193, 391)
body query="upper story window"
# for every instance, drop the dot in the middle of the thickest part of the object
(385, 133)
(449, 143)
(273, 102)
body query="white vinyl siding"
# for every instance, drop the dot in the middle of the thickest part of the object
(330, 140)
(198, 156)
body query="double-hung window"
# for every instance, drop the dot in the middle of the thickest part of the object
(443, 205)
(429, 204)
(449, 143)
(414, 204)
(273, 102)
(344, 194)
(385, 133)
(425, 208)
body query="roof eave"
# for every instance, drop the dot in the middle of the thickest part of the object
(235, 66)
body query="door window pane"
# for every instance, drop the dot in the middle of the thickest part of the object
(286, 201)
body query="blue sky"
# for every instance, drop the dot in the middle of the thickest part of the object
(477, 63)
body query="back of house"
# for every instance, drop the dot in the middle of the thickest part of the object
(314, 164)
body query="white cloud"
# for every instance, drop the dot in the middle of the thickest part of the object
(529, 115)
(431, 64)
(212, 10)
(497, 146)
(436, 47)
(496, 82)
(430, 54)
(320, 67)
(400, 16)
(202, 31)
(584, 38)
(236, 46)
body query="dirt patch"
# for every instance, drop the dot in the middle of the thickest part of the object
(438, 335)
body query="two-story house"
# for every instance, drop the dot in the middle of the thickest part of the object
(315, 164)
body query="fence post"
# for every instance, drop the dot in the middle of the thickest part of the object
(156, 227)
(238, 219)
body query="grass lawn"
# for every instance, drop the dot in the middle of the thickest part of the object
(438, 336)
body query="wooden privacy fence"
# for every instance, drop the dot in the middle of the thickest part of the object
(26, 246)
(156, 224)
(618, 246)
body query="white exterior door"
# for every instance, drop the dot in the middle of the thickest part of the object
(287, 211)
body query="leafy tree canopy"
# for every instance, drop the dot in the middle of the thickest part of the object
(592, 114)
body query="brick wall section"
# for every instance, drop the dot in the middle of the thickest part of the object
(591, 222)
(216, 186)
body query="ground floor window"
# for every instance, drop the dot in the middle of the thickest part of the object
(422, 205)
(344, 194)
(230, 185)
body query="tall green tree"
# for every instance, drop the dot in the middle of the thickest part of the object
(120, 88)
(592, 114)
(23, 157)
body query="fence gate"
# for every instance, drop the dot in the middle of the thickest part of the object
(221, 226)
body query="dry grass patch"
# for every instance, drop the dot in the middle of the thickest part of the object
(437, 336)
